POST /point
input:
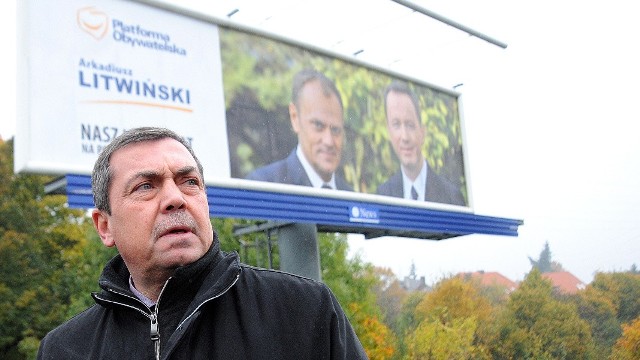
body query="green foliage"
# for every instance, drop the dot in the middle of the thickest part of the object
(390, 295)
(253, 248)
(628, 346)
(435, 340)
(353, 281)
(452, 321)
(454, 298)
(596, 307)
(623, 290)
(48, 260)
(86, 270)
(534, 325)
(407, 321)
(545, 264)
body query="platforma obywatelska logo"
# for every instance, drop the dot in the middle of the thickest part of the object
(93, 21)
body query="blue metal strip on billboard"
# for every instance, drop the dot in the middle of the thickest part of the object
(355, 216)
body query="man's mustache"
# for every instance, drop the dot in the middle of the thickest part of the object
(175, 220)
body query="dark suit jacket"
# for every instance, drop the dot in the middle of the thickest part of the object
(439, 189)
(290, 171)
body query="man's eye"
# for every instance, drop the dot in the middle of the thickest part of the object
(318, 125)
(193, 182)
(143, 187)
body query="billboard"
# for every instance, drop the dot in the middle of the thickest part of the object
(261, 112)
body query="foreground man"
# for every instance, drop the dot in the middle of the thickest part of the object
(171, 293)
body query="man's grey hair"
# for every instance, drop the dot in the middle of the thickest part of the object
(102, 176)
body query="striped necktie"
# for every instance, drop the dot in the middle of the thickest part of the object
(414, 193)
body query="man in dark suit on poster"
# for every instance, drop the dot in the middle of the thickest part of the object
(415, 180)
(316, 114)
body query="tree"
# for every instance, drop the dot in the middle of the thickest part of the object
(450, 316)
(390, 295)
(623, 290)
(628, 346)
(435, 340)
(454, 298)
(544, 264)
(598, 309)
(407, 321)
(535, 325)
(43, 260)
(353, 281)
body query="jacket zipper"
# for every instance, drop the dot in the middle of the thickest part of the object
(152, 315)
(155, 334)
(155, 330)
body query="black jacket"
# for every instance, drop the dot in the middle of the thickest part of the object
(215, 308)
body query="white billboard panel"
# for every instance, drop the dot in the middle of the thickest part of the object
(88, 73)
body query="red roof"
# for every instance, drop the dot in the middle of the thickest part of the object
(564, 281)
(491, 278)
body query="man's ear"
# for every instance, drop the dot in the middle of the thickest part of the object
(293, 116)
(101, 223)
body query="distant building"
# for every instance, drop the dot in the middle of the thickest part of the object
(564, 282)
(490, 279)
(412, 283)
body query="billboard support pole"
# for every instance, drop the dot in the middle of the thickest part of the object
(299, 251)
(450, 22)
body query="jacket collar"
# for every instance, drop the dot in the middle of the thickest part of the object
(214, 267)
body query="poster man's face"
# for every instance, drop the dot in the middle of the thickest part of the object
(406, 132)
(317, 120)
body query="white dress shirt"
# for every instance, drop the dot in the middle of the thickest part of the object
(419, 183)
(316, 180)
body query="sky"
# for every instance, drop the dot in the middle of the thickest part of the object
(551, 124)
(550, 129)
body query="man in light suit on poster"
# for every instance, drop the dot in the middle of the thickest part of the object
(415, 180)
(316, 114)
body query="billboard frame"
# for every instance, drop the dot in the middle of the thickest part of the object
(400, 219)
(339, 211)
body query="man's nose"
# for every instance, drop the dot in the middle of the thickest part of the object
(328, 138)
(405, 133)
(172, 197)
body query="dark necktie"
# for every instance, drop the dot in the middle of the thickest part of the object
(326, 186)
(414, 193)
